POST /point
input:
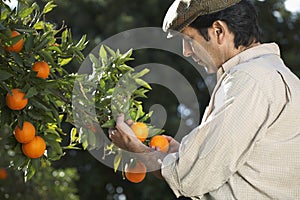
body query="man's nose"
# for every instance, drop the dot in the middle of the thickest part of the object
(186, 48)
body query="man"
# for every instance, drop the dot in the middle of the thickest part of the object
(248, 143)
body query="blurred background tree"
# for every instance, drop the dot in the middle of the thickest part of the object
(100, 19)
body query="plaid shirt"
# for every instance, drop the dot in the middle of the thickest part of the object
(248, 144)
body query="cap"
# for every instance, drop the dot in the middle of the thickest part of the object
(183, 12)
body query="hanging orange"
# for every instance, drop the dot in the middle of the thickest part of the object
(18, 46)
(42, 69)
(3, 174)
(35, 148)
(140, 129)
(17, 100)
(26, 134)
(161, 142)
(135, 172)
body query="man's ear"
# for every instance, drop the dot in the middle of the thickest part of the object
(220, 31)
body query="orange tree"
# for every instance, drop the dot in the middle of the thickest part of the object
(112, 87)
(35, 94)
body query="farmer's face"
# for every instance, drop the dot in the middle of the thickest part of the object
(204, 53)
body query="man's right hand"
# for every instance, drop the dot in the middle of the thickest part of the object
(123, 137)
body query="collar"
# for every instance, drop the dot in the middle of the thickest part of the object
(248, 54)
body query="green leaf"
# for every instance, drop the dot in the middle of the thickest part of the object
(26, 11)
(35, 115)
(73, 135)
(48, 57)
(141, 73)
(48, 7)
(127, 55)
(125, 68)
(64, 61)
(38, 104)
(139, 112)
(31, 92)
(64, 36)
(143, 83)
(109, 124)
(154, 131)
(81, 44)
(18, 60)
(15, 39)
(111, 52)
(140, 93)
(146, 116)
(39, 25)
(29, 171)
(55, 151)
(54, 48)
(102, 53)
(42, 44)
(4, 75)
(52, 137)
(29, 42)
(20, 121)
(94, 60)
(117, 161)
(85, 144)
(36, 163)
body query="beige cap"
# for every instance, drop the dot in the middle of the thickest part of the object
(183, 12)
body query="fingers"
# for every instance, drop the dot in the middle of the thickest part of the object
(120, 118)
(169, 138)
(111, 132)
(129, 122)
(122, 126)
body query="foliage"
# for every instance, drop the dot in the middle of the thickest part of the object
(48, 183)
(48, 99)
(112, 87)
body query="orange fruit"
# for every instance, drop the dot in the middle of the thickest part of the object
(3, 174)
(140, 129)
(18, 46)
(26, 134)
(35, 148)
(161, 142)
(135, 172)
(16, 101)
(42, 69)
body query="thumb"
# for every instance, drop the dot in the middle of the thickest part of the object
(169, 138)
(122, 126)
(120, 118)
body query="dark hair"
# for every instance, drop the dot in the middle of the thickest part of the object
(240, 18)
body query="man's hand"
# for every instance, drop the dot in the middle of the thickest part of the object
(124, 137)
(173, 144)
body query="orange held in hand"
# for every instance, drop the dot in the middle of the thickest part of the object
(17, 100)
(135, 172)
(26, 134)
(18, 46)
(3, 174)
(42, 69)
(140, 129)
(161, 142)
(35, 148)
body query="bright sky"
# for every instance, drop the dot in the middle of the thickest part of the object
(12, 4)
(293, 5)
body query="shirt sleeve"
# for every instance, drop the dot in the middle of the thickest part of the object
(215, 150)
